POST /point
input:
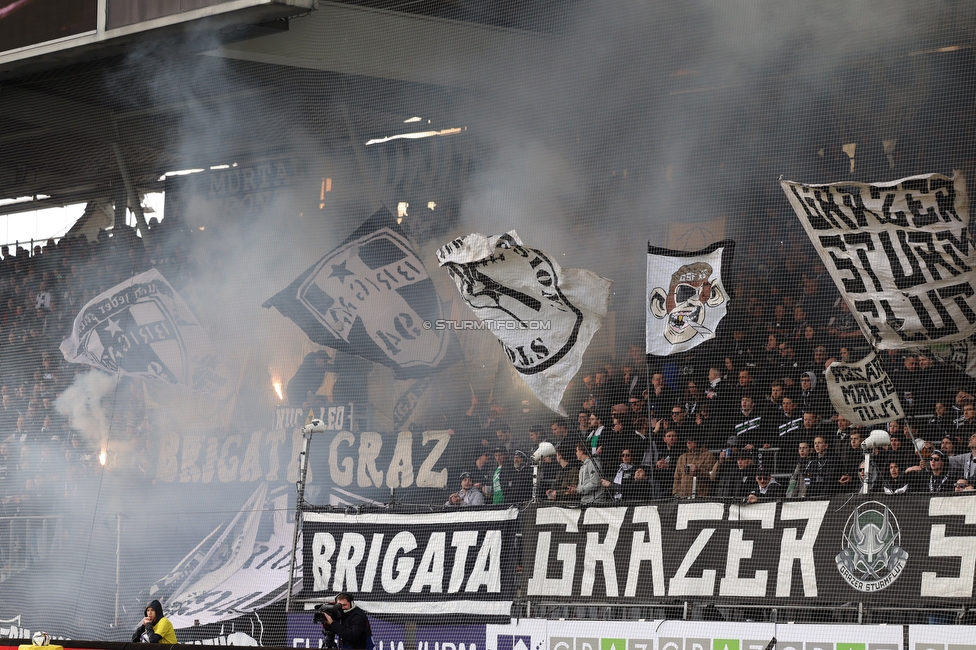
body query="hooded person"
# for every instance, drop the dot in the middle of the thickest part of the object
(812, 396)
(155, 628)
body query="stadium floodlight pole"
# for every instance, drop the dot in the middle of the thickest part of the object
(315, 426)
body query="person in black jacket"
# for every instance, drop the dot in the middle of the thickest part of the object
(154, 628)
(823, 472)
(352, 630)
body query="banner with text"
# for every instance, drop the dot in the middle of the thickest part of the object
(899, 252)
(862, 392)
(459, 563)
(903, 549)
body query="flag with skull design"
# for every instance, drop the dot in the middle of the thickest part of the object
(686, 299)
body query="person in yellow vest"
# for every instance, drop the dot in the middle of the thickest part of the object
(155, 628)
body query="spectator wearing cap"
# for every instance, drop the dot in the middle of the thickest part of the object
(692, 475)
(766, 488)
(468, 495)
(482, 469)
(733, 474)
(932, 476)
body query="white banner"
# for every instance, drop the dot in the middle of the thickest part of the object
(685, 297)
(237, 569)
(899, 252)
(143, 328)
(938, 637)
(543, 315)
(532, 634)
(862, 392)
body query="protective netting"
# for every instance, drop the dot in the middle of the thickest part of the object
(521, 291)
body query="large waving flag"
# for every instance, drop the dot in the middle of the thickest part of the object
(543, 315)
(900, 253)
(143, 328)
(686, 299)
(370, 296)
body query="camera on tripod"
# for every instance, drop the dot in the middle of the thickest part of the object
(332, 609)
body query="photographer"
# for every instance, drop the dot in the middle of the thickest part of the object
(155, 628)
(351, 627)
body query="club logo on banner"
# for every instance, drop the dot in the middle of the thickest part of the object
(862, 392)
(871, 559)
(547, 314)
(370, 297)
(900, 254)
(812, 551)
(143, 328)
(427, 564)
(685, 297)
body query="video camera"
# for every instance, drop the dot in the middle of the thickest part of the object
(332, 609)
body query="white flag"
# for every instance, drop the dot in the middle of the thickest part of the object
(686, 299)
(543, 315)
(900, 253)
(862, 392)
(143, 328)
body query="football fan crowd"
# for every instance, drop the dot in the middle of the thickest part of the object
(45, 463)
(745, 416)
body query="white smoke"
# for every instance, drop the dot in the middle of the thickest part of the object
(82, 404)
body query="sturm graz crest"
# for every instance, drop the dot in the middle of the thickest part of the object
(370, 296)
(871, 559)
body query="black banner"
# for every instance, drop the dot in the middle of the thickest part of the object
(904, 549)
(458, 562)
(370, 297)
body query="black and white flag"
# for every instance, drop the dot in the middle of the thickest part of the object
(370, 296)
(143, 328)
(899, 252)
(460, 563)
(543, 315)
(686, 299)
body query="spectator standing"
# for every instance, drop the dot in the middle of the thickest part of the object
(692, 475)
